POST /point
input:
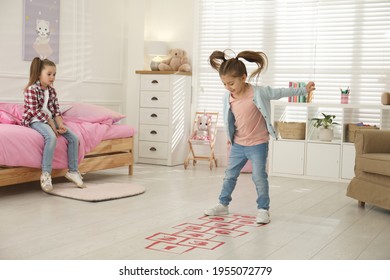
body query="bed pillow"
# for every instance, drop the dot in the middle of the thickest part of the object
(13, 109)
(92, 113)
(65, 107)
(7, 118)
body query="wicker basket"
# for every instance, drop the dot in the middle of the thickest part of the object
(352, 128)
(292, 130)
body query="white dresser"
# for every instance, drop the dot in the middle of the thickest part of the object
(164, 117)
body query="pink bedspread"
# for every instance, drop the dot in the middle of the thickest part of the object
(22, 146)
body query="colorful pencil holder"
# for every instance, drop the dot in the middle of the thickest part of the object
(344, 98)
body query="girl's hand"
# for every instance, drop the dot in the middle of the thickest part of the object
(62, 129)
(310, 86)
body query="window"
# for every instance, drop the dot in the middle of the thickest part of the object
(336, 43)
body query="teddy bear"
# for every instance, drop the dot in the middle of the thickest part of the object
(176, 61)
(203, 127)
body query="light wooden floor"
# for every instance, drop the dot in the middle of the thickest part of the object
(310, 219)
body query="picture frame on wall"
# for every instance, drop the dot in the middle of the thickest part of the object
(41, 29)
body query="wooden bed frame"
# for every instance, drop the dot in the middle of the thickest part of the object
(108, 154)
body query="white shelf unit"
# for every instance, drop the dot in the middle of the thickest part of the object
(314, 159)
(164, 114)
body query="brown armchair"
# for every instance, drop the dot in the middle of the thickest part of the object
(371, 183)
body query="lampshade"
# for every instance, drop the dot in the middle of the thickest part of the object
(157, 48)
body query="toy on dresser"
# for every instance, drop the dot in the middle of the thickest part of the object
(177, 61)
(202, 131)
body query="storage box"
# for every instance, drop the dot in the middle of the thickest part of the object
(292, 130)
(352, 128)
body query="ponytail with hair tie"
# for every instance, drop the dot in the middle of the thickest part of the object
(234, 66)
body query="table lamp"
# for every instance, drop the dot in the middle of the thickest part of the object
(156, 49)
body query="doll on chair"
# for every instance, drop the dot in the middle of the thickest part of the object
(203, 127)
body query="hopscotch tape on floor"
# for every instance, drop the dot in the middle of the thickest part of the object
(202, 235)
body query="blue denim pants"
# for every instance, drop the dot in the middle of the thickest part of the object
(50, 142)
(239, 155)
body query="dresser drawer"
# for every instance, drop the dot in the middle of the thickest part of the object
(148, 149)
(154, 116)
(154, 82)
(153, 133)
(155, 99)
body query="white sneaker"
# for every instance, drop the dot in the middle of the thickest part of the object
(262, 216)
(217, 210)
(76, 178)
(46, 184)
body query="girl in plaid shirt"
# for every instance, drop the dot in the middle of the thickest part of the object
(42, 113)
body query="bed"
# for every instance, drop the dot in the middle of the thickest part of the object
(104, 143)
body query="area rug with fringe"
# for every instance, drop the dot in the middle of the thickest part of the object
(97, 191)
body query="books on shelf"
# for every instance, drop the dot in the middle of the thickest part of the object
(302, 98)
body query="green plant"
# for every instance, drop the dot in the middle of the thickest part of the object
(325, 122)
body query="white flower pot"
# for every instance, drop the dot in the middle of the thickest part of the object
(325, 134)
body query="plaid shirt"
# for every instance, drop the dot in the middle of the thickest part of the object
(34, 99)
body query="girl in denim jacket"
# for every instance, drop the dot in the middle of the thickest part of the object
(247, 120)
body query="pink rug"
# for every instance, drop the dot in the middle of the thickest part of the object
(97, 191)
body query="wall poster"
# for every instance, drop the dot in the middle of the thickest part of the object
(41, 29)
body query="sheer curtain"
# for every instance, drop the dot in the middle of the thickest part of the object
(336, 43)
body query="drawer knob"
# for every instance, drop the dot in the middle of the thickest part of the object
(154, 82)
(153, 132)
(152, 149)
(154, 98)
(153, 116)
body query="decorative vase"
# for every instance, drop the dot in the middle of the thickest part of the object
(325, 134)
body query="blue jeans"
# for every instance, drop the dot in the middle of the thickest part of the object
(239, 155)
(50, 141)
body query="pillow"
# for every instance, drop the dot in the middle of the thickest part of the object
(7, 118)
(92, 113)
(64, 108)
(13, 109)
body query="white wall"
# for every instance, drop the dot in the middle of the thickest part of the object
(92, 52)
(171, 21)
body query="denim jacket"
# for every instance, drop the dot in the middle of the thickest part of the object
(262, 99)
